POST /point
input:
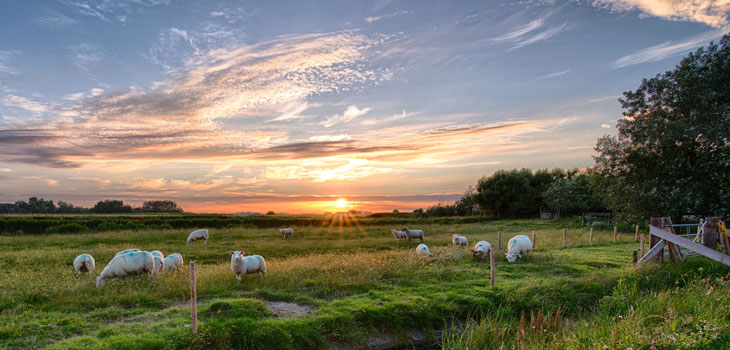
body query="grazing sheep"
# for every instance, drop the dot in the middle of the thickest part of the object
(481, 250)
(287, 231)
(241, 265)
(459, 240)
(517, 246)
(157, 253)
(133, 263)
(127, 251)
(84, 263)
(422, 249)
(399, 235)
(172, 262)
(413, 233)
(158, 263)
(198, 235)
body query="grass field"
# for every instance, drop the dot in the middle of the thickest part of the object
(355, 280)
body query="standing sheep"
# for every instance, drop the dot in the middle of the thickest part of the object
(84, 263)
(481, 250)
(459, 240)
(398, 235)
(241, 265)
(158, 263)
(287, 231)
(198, 235)
(133, 263)
(413, 233)
(517, 246)
(157, 253)
(172, 262)
(422, 249)
(127, 251)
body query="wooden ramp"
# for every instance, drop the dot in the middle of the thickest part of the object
(667, 236)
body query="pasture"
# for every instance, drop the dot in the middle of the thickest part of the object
(340, 284)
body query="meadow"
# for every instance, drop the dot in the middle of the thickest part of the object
(341, 284)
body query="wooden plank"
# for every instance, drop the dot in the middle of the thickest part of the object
(674, 251)
(653, 252)
(658, 222)
(697, 248)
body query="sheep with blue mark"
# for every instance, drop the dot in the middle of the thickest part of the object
(129, 264)
(172, 262)
(518, 246)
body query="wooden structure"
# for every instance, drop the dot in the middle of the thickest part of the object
(659, 237)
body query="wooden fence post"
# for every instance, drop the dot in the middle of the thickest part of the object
(499, 240)
(636, 237)
(193, 299)
(615, 233)
(533, 240)
(565, 237)
(642, 244)
(491, 268)
(590, 236)
(635, 258)
(657, 222)
(709, 239)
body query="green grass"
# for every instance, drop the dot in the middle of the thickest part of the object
(357, 280)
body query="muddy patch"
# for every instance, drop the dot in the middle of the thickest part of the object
(283, 309)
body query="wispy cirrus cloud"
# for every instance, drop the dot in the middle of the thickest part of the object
(531, 32)
(392, 118)
(349, 114)
(666, 50)
(53, 19)
(5, 57)
(553, 75)
(714, 13)
(112, 11)
(372, 19)
(24, 103)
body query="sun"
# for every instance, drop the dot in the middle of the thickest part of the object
(341, 203)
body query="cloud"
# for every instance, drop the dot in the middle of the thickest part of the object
(372, 19)
(601, 99)
(86, 57)
(518, 32)
(392, 118)
(54, 19)
(111, 10)
(184, 116)
(666, 50)
(714, 13)
(24, 103)
(553, 75)
(320, 138)
(606, 126)
(351, 169)
(544, 35)
(92, 180)
(5, 170)
(293, 110)
(49, 182)
(522, 36)
(221, 168)
(5, 57)
(350, 113)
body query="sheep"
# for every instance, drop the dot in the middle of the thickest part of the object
(241, 265)
(422, 249)
(198, 235)
(84, 263)
(127, 264)
(459, 240)
(127, 251)
(413, 233)
(517, 246)
(157, 253)
(481, 250)
(158, 263)
(398, 235)
(287, 231)
(172, 262)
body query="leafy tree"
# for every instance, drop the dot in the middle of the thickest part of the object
(165, 206)
(565, 196)
(270, 212)
(671, 155)
(111, 206)
(506, 193)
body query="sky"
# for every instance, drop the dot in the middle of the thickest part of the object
(228, 106)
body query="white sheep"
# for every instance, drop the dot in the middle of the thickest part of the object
(398, 235)
(241, 265)
(127, 251)
(287, 231)
(422, 249)
(459, 240)
(84, 263)
(198, 235)
(158, 263)
(172, 262)
(481, 250)
(132, 263)
(158, 254)
(413, 233)
(517, 246)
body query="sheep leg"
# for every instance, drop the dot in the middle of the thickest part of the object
(261, 274)
(238, 277)
(421, 238)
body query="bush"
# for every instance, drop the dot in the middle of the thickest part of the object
(67, 228)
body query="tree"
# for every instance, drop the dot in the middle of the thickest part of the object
(111, 206)
(165, 206)
(565, 196)
(671, 155)
(270, 212)
(506, 193)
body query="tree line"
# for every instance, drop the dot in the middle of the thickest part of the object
(36, 205)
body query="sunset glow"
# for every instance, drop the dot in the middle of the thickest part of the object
(231, 106)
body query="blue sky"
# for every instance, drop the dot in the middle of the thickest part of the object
(227, 105)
